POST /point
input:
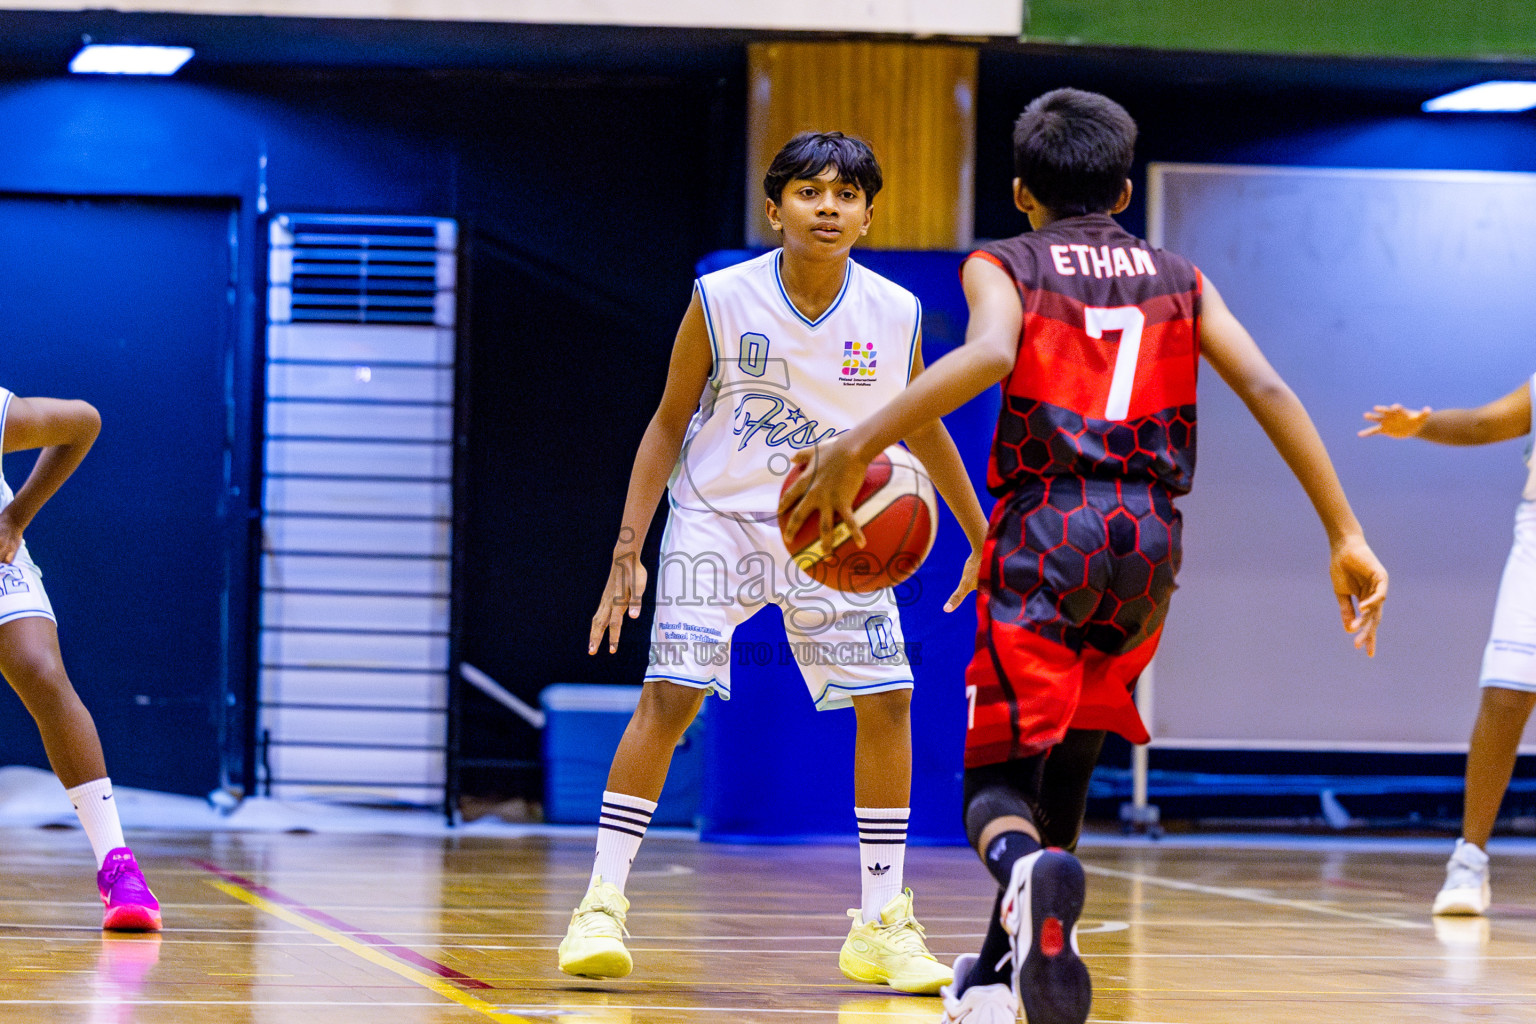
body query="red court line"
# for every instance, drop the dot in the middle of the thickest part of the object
(404, 953)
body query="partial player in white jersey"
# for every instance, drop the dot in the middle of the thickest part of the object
(29, 649)
(773, 357)
(1508, 677)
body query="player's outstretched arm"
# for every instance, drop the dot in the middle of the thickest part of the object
(687, 373)
(936, 450)
(65, 431)
(837, 468)
(1499, 420)
(1359, 580)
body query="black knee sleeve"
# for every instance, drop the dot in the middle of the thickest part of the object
(1011, 789)
(990, 804)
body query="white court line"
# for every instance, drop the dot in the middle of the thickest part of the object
(730, 1010)
(435, 908)
(563, 1009)
(738, 1010)
(1250, 896)
(371, 1003)
(1436, 955)
(1514, 846)
(274, 944)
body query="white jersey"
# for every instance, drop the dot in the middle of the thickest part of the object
(6, 496)
(1530, 455)
(783, 382)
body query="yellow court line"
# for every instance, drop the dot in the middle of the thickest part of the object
(370, 954)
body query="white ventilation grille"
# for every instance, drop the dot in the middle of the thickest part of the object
(361, 270)
(357, 507)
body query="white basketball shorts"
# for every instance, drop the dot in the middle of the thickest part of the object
(21, 592)
(1509, 660)
(716, 570)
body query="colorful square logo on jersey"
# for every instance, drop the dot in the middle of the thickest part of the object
(858, 362)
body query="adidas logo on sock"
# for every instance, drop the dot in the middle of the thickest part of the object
(877, 869)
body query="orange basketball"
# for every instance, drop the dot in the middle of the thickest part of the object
(895, 508)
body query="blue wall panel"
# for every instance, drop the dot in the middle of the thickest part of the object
(126, 304)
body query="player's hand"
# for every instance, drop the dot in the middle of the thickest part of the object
(833, 474)
(1395, 421)
(967, 580)
(626, 585)
(1360, 583)
(10, 539)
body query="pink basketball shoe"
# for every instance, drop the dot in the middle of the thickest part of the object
(130, 906)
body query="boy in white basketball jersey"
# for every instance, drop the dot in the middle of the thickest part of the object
(29, 649)
(1508, 677)
(773, 356)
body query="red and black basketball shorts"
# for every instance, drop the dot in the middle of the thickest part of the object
(1074, 586)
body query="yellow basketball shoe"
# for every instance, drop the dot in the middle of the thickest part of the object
(891, 951)
(593, 946)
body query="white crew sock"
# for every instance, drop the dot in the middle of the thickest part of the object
(97, 810)
(883, 855)
(619, 831)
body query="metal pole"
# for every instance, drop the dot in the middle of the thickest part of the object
(1139, 815)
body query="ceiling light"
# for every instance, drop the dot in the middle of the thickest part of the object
(1487, 96)
(97, 59)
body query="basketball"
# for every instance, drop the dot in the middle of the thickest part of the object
(895, 508)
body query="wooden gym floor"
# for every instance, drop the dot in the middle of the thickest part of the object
(280, 928)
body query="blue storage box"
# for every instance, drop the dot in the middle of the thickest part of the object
(581, 732)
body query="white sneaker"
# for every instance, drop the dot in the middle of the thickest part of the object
(1465, 891)
(978, 1004)
(593, 946)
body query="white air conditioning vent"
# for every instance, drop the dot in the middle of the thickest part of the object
(361, 270)
(357, 507)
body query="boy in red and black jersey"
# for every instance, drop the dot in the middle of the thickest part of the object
(1096, 337)
(1104, 382)
(1095, 439)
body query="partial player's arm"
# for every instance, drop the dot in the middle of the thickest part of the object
(1499, 420)
(837, 468)
(936, 450)
(65, 431)
(687, 374)
(1359, 580)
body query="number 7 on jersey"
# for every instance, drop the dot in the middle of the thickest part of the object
(1129, 321)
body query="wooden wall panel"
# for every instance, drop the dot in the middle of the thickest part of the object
(914, 103)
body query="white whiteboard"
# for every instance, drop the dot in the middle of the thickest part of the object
(1361, 286)
(915, 17)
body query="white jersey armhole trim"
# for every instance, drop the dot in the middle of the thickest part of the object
(709, 327)
(5, 408)
(1530, 442)
(917, 332)
(1528, 495)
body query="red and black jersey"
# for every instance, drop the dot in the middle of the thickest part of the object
(1104, 382)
